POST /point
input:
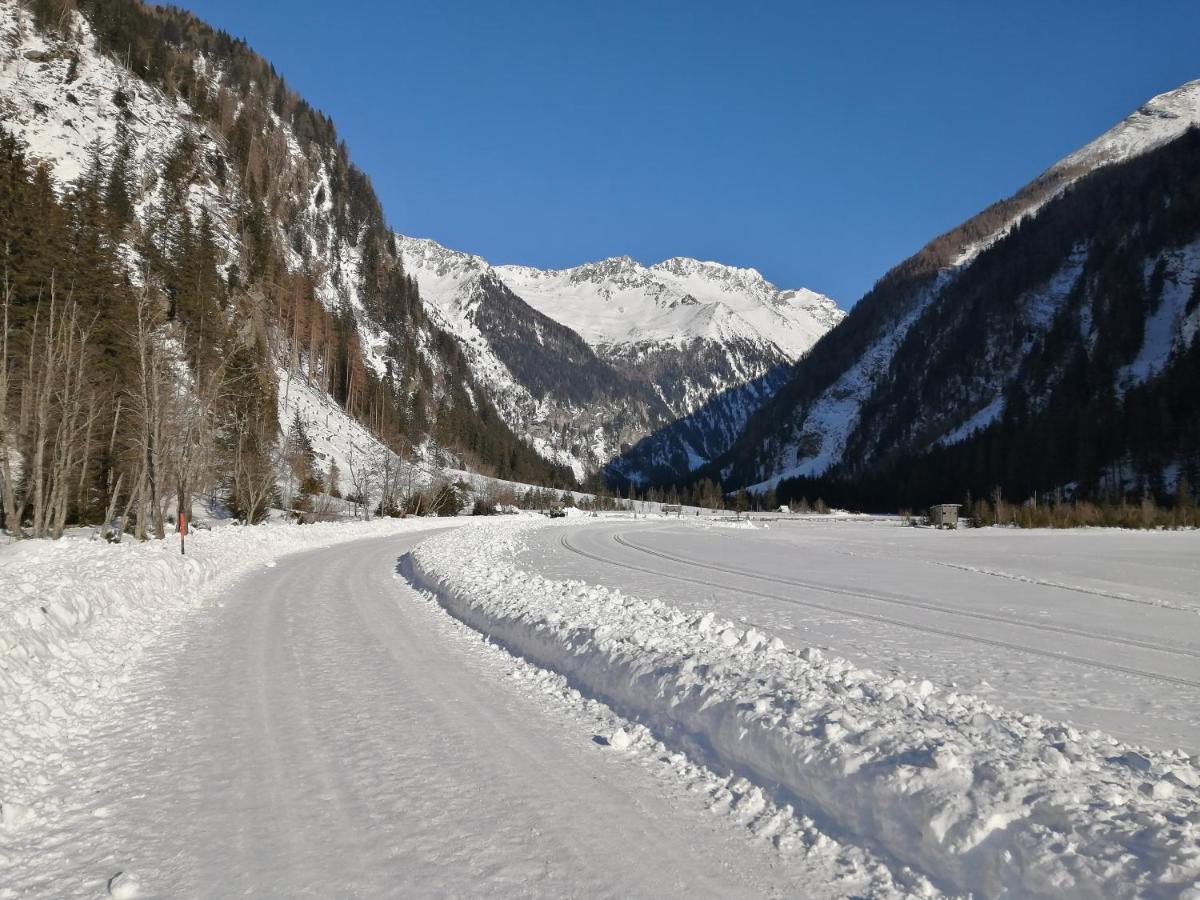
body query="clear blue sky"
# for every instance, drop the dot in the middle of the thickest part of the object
(818, 142)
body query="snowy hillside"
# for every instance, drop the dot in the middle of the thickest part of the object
(70, 103)
(58, 98)
(682, 338)
(1001, 306)
(39, 73)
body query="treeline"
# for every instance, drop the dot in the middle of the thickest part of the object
(1181, 511)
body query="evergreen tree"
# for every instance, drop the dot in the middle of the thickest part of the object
(118, 190)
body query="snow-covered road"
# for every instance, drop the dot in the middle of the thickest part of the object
(1098, 627)
(327, 731)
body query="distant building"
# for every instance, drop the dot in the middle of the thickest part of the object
(944, 515)
(672, 509)
(785, 508)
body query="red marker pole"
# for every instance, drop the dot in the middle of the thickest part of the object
(182, 532)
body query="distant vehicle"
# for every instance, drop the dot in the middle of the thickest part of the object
(556, 512)
(784, 508)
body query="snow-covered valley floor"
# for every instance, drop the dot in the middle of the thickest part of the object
(1099, 627)
(315, 724)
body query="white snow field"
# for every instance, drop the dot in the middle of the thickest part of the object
(1100, 627)
(981, 796)
(319, 728)
(255, 720)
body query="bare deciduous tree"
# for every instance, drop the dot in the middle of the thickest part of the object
(57, 414)
(8, 440)
(193, 433)
(150, 396)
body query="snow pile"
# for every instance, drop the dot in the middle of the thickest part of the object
(75, 616)
(978, 798)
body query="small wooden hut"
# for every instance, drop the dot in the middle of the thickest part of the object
(944, 515)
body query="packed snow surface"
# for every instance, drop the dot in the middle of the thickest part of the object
(76, 615)
(978, 797)
(319, 728)
(248, 719)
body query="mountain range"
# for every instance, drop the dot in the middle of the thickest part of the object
(1047, 344)
(591, 360)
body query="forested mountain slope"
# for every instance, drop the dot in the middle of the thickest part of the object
(182, 233)
(1046, 344)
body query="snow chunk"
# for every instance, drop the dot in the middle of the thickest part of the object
(620, 739)
(124, 886)
(14, 815)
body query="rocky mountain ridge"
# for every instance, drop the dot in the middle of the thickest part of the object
(653, 344)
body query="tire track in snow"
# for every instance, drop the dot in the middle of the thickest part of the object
(1075, 588)
(900, 600)
(875, 617)
(1158, 602)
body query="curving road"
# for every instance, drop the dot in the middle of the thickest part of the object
(1089, 627)
(326, 732)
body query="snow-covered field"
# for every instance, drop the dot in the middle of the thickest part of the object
(317, 728)
(979, 796)
(246, 721)
(1099, 627)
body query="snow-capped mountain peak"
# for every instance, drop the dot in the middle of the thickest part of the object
(428, 255)
(619, 301)
(617, 269)
(684, 329)
(715, 274)
(1157, 121)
